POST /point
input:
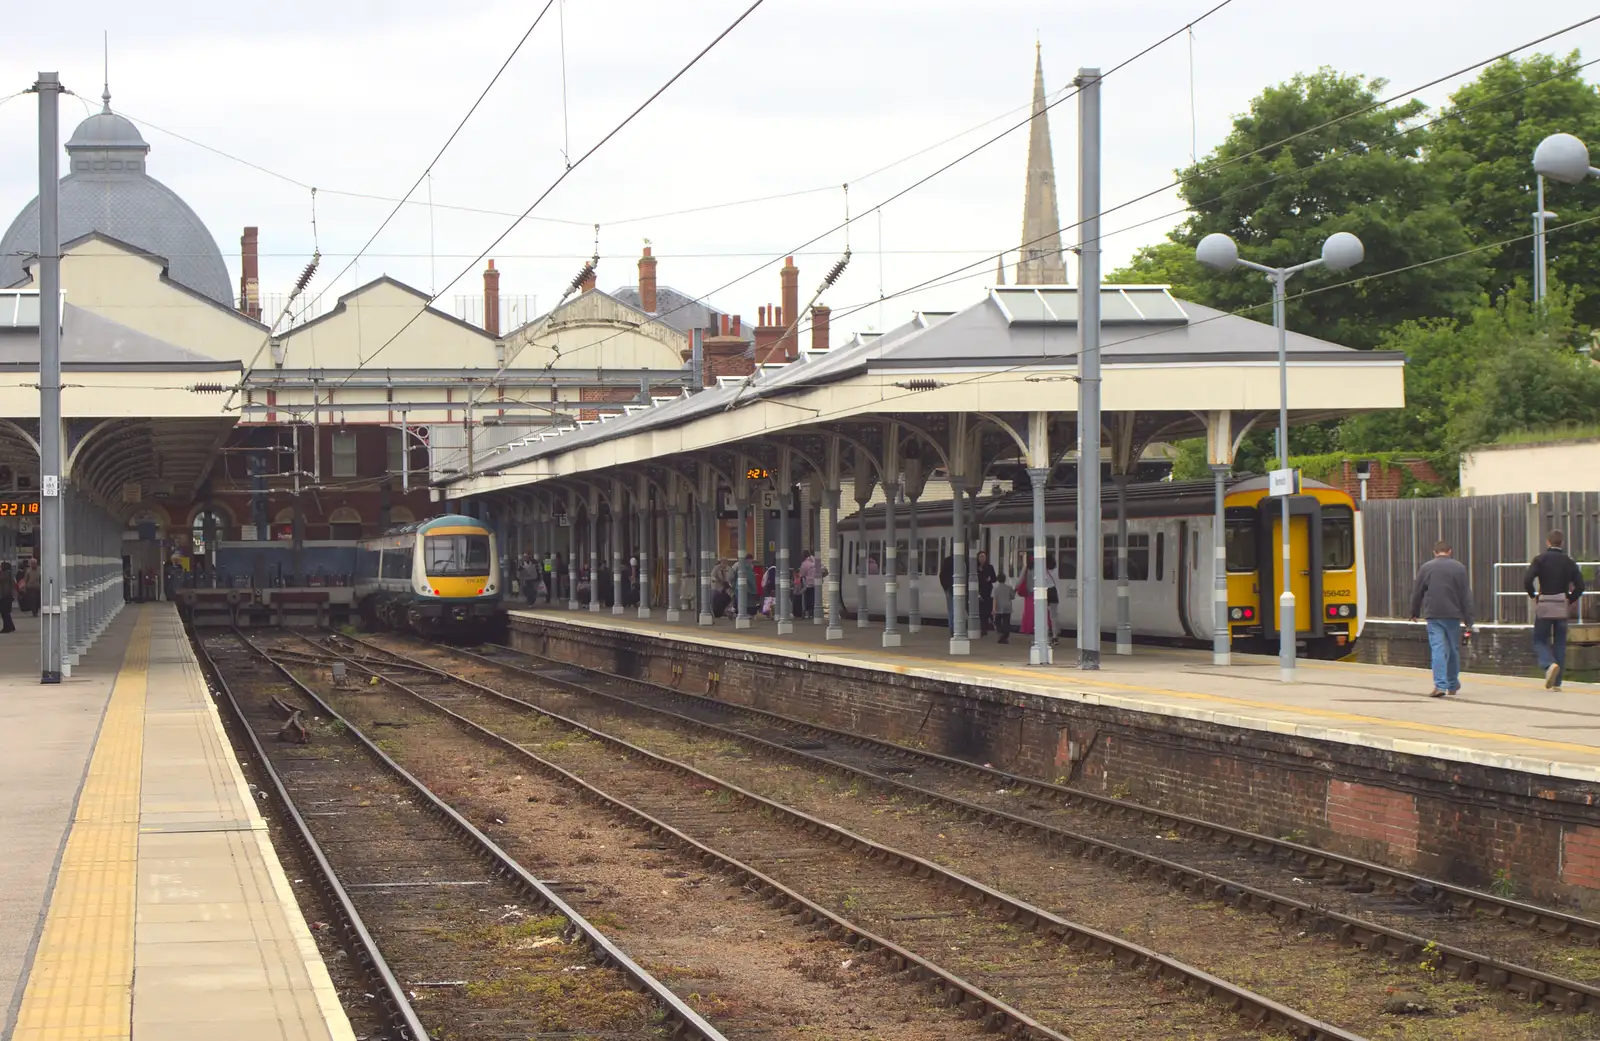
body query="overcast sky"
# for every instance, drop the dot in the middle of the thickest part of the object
(355, 96)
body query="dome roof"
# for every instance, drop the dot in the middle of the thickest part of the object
(108, 191)
(106, 130)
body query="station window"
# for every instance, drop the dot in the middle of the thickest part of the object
(1240, 536)
(1338, 538)
(344, 453)
(395, 443)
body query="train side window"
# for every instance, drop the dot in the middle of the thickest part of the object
(1025, 556)
(367, 563)
(397, 564)
(1067, 565)
(1240, 538)
(900, 549)
(1138, 557)
(1338, 538)
(1161, 555)
(1194, 557)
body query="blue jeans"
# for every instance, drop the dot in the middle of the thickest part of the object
(1444, 640)
(1550, 642)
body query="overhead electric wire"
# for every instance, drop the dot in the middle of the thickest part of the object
(566, 173)
(420, 177)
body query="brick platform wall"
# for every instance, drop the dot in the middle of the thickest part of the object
(1463, 823)
(1504, 650)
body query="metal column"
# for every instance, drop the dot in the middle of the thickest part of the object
(783, 605)
(960, 635)
(1089, 542)
(1221, 649)
(642, 511)
(675, 533)
(572, 550)
(973, 622)
(1039, 652)
(51, 542)
(1124, 622)
(831, 587)
(594, 551)
(740, 578)
(891, 556)
(913, 576)
(618, 525)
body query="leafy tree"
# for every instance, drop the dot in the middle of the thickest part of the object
(1482, 151)
(1170, 263)
(1508, 366)
(1362, 174)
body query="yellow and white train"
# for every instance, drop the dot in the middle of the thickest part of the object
(435, 577)
(1171, 561)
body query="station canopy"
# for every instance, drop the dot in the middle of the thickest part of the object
(1169, 367)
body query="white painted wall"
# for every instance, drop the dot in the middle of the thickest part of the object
(1566, 466)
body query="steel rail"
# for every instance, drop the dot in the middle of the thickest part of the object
(1439, 893)
(688, 1022)
(1256, 1009)
(958, 991)
(1530, 983)
(358, 942)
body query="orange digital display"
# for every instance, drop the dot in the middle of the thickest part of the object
(19, 509)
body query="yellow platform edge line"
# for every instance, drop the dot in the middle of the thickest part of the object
(80, 985)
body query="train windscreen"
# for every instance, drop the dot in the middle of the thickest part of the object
(456, 554)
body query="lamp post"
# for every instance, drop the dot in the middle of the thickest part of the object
(1340, 252)
(1564, 159)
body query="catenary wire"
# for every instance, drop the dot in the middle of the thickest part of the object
(563, 176)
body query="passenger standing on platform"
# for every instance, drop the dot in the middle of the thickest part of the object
(547, 575)
(31, 583)
(1002, 607)
(808, 584)
(529, 579)
(1443, 596)
(947, 580)
(1052, 595)
(1554, 581)
(985, 594)
(8, 592)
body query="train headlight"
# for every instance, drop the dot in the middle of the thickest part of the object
(1237, 614)
(1345, 611)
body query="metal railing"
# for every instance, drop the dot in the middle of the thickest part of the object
(1511, 606)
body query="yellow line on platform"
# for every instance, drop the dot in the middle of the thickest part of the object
(81, 983)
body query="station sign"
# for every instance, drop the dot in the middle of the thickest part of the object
(1283, 482)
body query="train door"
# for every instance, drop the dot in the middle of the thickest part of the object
(1301, 570)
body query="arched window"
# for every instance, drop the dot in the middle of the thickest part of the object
(221, 529)
(401, 515)
(344, 524)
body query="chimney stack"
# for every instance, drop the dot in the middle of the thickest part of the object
(790, 277)
(491, 300)
(250, 274)
(647, 282)
(819, 327)
(722, 353)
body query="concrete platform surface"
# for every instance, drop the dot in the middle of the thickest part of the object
(1499, 721)
(168, 915)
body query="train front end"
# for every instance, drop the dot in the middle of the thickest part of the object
(459, 588)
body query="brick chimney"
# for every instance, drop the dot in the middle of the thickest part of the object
(724, 352)
(819, 327)
(491, 300)
(767, 334)
(647, 282)
(250, 274)
(790, 277)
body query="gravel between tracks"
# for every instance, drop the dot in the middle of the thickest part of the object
(1332, 981)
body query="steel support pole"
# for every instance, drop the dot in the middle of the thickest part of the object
(703, 506)
(642, 510)
(1039, 651)
(1124, 621)
(572, 552)
(831, 587)
(974, 623)
(50, 540)
(1088, 82)
(1288, 630)
(741, 580)
(913, 576)
(618, 525)
(594, 553)
(960, 635)
(860, 564)
(1539, 268)
(891, 566)
(674, 588)
(1221, 641)
(783, 603)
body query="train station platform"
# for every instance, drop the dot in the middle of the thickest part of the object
(1499, 721)
(140, 896)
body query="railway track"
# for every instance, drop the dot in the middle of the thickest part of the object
(1069, 978)
(1538, 953)
(453, 933)
(1374, 917)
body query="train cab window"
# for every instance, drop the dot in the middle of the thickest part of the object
(1240, 537)
(397, 563)
(456, 554)
(1338, 538)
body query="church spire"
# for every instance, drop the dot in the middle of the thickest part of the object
(1000, 270)
(105, 95)
(1041, 262)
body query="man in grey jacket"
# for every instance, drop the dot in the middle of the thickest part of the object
(1443, 596)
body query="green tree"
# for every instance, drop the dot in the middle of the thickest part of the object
(1508, 366)
(1362, 174)
(1482, 151)
(1170, 263)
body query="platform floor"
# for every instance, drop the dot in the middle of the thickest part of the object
(1500, 721)
(140, 896)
